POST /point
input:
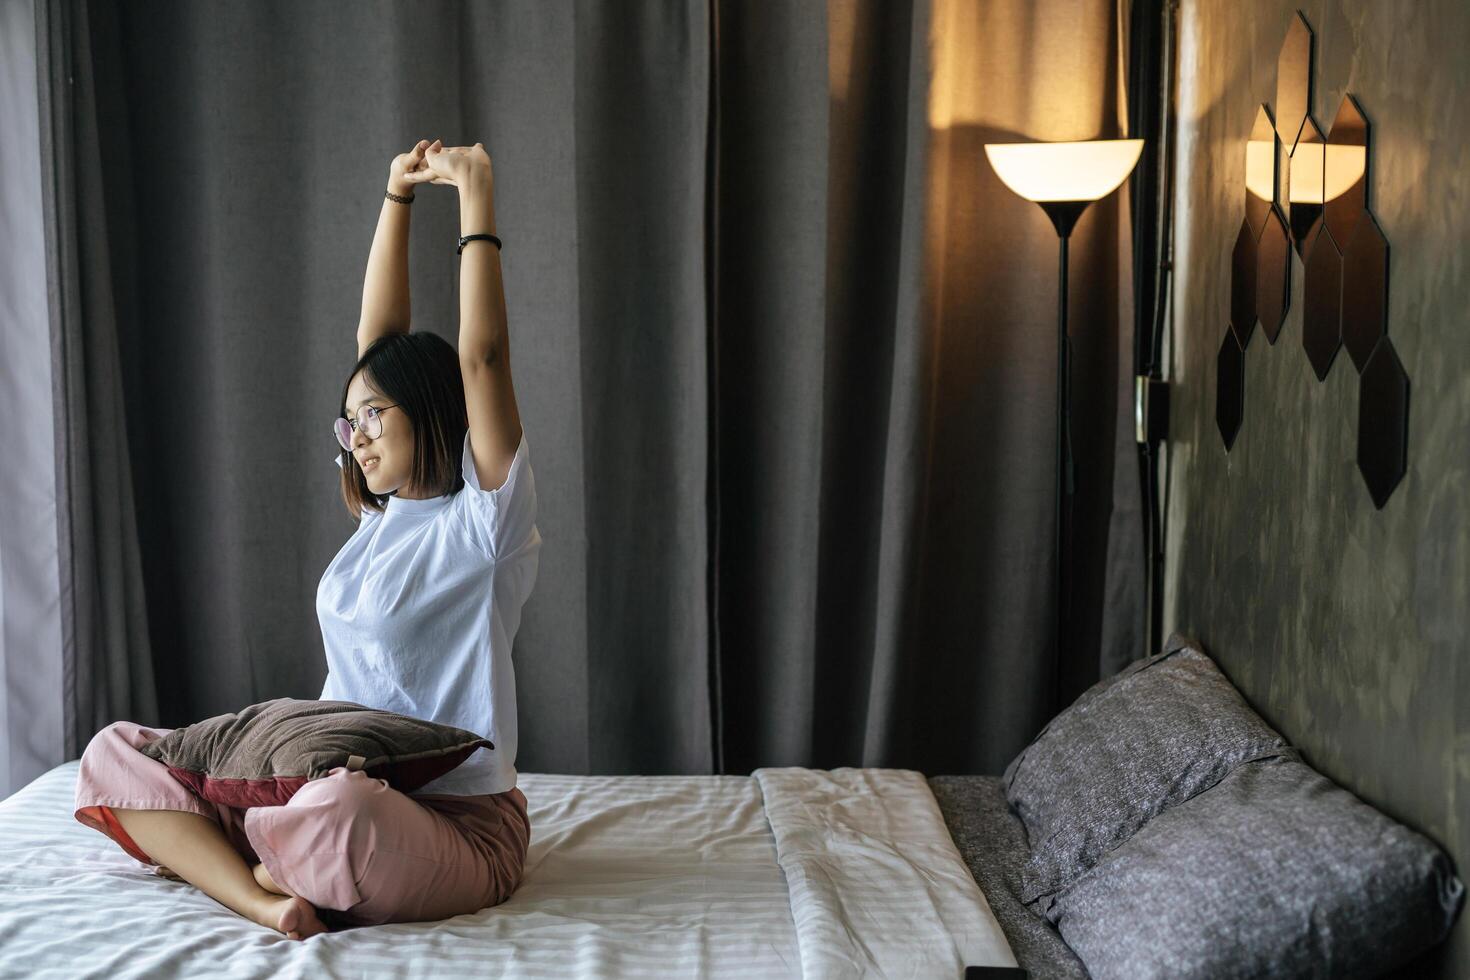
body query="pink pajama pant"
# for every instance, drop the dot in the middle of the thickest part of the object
(360, 851)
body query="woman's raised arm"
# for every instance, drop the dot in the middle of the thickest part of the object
(484, 342)
(385, 307)
(484, 339)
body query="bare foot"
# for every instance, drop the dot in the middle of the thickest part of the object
(295, 917)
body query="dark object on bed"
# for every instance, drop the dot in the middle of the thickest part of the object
(1260, 867)
(263, 754)
(992, 841)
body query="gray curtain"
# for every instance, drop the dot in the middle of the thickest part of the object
(105, 636)
(784, 353)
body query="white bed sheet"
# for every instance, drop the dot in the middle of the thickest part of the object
(876, 884)
(647, 876)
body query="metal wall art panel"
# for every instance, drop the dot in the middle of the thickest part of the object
(1229, 388)
(1303, 181)
(1308, 192)
(1322, 304)
(1273, 275)
(1243, 285)
(1260, 171)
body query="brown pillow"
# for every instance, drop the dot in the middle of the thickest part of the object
(265, 753)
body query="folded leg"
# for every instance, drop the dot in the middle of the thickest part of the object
(114, 773)
(352, 843)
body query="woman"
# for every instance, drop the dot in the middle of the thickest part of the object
(418, 611)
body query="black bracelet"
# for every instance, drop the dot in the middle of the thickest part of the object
(398, 197)
(466, 239)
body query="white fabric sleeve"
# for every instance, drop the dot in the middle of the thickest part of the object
(503, 520)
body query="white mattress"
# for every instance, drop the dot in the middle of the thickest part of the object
(647, 876)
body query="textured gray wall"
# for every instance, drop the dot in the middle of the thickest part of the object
(1343, 625)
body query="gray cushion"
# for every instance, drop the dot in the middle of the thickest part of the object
(263, 754)
(1275, 871)
(1151, 736)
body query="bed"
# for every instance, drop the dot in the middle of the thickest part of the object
(1157, 827)
(787, 872)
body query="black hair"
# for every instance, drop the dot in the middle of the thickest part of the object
(419, 372)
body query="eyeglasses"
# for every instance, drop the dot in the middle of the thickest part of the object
(371, 423)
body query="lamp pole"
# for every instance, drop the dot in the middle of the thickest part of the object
(1063, 215)
(1064, 178)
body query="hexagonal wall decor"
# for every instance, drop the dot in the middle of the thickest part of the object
(1364, 290)
(1293, 81)
(1303, 182)
(1273, 275)
(1322, 303)
(1345, 170)
(1260, 171)
(1243, 286)
(1229, 388)
(1383, 422)
(1309, 191)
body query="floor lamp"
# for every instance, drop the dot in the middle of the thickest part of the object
(1064, 178)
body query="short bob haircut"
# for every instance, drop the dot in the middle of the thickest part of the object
(419, 372)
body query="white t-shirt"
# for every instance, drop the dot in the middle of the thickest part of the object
(419, 609)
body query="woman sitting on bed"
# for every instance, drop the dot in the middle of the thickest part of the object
(418, 612)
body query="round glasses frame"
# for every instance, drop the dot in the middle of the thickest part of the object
(372, 425)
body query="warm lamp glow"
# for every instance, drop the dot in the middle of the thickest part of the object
(1345, 166)
(1260, 168)
(1083, 170)
(1306, 173)
(1314, 183)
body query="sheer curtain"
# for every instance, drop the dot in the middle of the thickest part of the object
(32, 722)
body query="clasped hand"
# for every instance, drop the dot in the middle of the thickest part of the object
(434, 163)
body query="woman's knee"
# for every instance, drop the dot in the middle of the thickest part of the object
(127, 734)
(109, 733)
(351, 796)
(108, 741)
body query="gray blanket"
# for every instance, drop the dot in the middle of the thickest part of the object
(992, 841)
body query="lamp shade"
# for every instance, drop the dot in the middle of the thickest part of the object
(1081, 170)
